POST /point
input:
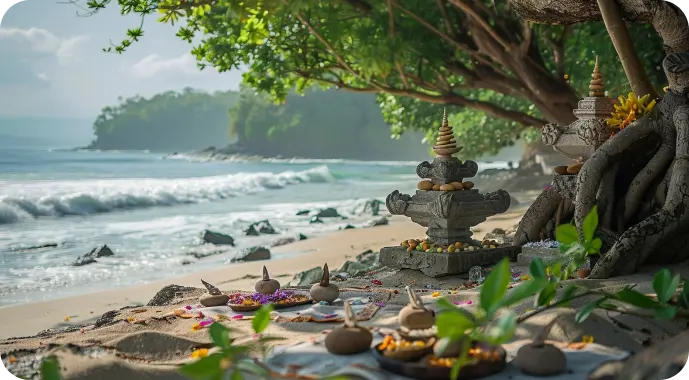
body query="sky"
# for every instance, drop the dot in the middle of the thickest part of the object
(53, 64)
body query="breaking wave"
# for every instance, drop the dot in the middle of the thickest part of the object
(28, 200)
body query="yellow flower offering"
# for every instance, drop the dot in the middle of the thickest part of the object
(131, 319)
(200, 353)
(67, 319)
(525, 277)
(435, 294)
(587, 339)
(196, 327)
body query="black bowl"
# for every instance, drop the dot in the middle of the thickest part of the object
(423, 371)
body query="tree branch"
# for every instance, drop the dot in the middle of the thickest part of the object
(391, 30)
(477, 55)
(330, 48)
(360, 5)
(527, 37)
(446, 19)
(443, 98)
(482, 22)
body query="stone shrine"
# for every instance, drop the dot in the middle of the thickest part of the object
(579, 140)
(449, 207)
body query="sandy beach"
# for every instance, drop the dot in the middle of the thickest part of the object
(333, 249)
(138, 340)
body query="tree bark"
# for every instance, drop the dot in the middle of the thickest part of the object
(638, 79)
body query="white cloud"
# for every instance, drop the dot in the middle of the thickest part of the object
(43, 76)
(154, 65)
(65, 49)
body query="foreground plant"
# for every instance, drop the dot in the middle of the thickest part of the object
(230, 360)
(492, 321)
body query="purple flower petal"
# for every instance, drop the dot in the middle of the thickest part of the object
(330, 316)
(188, 307)
(238, 316)
(380, 304)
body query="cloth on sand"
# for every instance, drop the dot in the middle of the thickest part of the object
(312, 359)
(364, 304)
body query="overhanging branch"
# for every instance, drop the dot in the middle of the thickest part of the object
(441, 98)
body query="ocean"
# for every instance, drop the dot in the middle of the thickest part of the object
(151, 211)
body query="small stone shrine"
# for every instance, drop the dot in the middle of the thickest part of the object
(449, 207)
(578, 141)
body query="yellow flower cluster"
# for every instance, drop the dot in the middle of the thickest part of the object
(200, 353)
(630, 109)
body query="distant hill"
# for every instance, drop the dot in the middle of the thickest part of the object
(166, 122)
(322, 124)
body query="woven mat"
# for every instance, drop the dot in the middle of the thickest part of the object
(312, 361)
(365, 304)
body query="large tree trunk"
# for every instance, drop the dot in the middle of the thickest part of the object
(640, 177)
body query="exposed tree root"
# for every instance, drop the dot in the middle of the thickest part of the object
(641, 242)
(537, 217)
(645, 178)
(606, 197)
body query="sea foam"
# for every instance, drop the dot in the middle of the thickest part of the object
(22, 200)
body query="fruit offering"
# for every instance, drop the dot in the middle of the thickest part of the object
(426, 245)
(476, 353)
(390, 344)
(397, 348)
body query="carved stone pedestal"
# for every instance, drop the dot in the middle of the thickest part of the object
(443, 264)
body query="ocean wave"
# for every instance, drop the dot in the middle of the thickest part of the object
(28, 200)
(297, 161)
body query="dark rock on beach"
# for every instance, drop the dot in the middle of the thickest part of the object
(348, 227)
(307, 277)
(217, 238)
(253, 254)
(374, 206)
(328, 213)
(167, 294)
(303, 212)
(260, 228)
(90, 258)
(302, 237)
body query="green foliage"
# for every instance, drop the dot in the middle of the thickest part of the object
(415, 54)
(577, 247)
(50, 369)
(170, 121)
(230, 359)
(337, 124)
(495, 287)
(458, 324)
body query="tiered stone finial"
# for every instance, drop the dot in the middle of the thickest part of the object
(446, 145)
(580, 139)
(597, 85)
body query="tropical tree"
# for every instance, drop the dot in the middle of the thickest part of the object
(638, 178)
(503, 74)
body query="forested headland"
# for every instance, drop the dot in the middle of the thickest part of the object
(320, 124)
